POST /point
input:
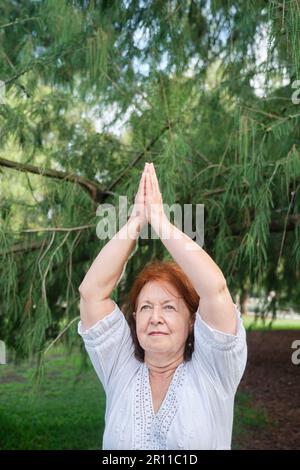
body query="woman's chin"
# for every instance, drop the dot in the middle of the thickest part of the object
(159, 349)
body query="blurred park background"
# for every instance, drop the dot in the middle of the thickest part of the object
(90, 90)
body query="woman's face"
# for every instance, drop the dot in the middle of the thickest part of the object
(162, 319)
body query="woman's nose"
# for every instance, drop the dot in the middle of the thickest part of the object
(156, 314)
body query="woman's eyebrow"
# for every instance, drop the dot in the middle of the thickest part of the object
(149, 302)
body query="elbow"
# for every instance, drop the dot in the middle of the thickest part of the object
(219, 289)
(83, 290)
(222, 287)
(91, 290)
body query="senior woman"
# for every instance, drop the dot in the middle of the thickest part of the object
(170, 373)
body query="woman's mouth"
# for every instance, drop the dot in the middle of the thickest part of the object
(157, 333)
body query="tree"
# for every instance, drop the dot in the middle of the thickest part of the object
(190, 83)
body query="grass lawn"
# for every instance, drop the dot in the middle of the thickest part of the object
(68, 411)
(247, 417)
(279, 324)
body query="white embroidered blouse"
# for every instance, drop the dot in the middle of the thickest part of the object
(197, 411)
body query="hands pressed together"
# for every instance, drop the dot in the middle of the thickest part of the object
(148, 203)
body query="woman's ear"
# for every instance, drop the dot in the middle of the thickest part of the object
(134, 314)
(192, 322)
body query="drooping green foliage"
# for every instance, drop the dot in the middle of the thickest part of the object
(207, 90)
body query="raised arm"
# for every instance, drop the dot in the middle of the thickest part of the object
(105, 271)
(216, 305)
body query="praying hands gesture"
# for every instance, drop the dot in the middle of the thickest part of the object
(148, 203)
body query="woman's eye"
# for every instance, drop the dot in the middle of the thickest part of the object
(170, 307)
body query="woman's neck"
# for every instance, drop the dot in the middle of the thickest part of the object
(159, 369)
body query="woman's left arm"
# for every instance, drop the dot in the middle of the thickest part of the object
(216, 305)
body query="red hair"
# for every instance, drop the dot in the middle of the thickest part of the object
(162, 271)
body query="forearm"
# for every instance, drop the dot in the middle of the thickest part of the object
(107, 268)
(204, 274)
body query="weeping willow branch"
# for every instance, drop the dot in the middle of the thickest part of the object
(23, 247)
(285, 223)
(139, 157)
(19, 21)
(60, 334)
(43, 276)
(57, 229)
(276, 225)
(93, 188)
(46, 60)
(70, 266)
(27, 247)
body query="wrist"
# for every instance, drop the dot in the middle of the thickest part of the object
(159, 221)
(134, 227)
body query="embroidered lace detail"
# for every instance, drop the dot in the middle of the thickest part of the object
(151, 429)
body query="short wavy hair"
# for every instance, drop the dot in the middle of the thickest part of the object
(162, 271)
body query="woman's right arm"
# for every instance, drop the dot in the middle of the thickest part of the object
(104, 273)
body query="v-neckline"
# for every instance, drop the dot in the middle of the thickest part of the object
(151, 429)
(169, 390)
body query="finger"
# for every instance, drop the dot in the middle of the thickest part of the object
(148, 181)
(143, 170)
(142, 187)
(150, 175)
(138, 193)
(142, 183)
(155, 180)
